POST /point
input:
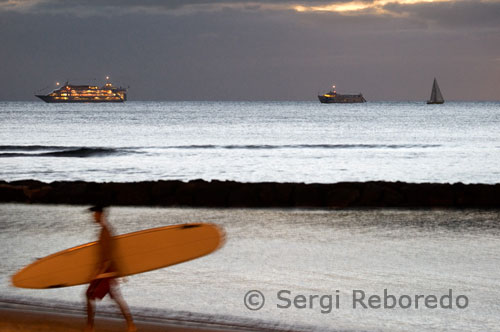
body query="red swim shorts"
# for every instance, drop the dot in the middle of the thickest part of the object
(99, 288)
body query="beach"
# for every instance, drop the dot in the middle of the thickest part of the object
(29, 318)
(308, 252)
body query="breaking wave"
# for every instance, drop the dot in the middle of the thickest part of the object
(305, 146)
(7, 151)
(57, 151)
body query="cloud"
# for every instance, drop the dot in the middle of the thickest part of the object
(429, 15)
(444, 13)
(258, 50)
(357, 6)
(96, 7)
(454, 14)
(89, 7)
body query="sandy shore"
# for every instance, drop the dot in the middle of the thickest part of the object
(408, 251)
(26, 318)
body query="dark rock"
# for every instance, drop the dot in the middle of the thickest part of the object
(440, 195)
(163, 192)
(10, 193)
(184, 193)
(481, 195)
(283, 194)
(265, 194)
(310, 195)
(135, 193)
(342, 195)
(39, 194)
(212, 194)
(391, 196)
(29, 183)
(67, 193)
(415, 195)
(371, 194)
(243, 195)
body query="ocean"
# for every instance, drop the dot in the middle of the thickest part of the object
(322, 256)
(251, 141)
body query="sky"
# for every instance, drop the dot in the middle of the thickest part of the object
(253, 50)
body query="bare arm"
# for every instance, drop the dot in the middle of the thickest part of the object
(105, 268)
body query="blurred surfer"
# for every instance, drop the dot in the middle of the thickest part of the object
(105, 281)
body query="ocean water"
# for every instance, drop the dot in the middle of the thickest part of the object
(319, 253)
(306, 252)
(251, 141)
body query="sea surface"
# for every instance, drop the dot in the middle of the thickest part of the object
(305, 252)
(251, 141)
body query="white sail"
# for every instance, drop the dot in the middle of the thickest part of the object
(436, 96)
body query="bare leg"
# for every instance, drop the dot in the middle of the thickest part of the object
(115, 294)
(90, 315)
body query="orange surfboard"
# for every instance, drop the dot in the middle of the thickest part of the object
(135, 253)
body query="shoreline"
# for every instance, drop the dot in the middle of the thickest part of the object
(21, 316)
(305, 251)
(228, 194)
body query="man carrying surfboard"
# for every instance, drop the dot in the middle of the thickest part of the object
(101, 262)
(105, 277)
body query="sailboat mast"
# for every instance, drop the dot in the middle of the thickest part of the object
(433, 92)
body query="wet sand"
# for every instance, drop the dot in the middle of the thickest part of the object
(406, 251)
(26, 318)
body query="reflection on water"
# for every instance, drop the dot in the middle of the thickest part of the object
(308, 252)
(251, 141)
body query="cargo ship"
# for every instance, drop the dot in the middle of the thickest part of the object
(69, 93)
(333, 97)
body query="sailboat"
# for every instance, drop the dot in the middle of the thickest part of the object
(436, 96)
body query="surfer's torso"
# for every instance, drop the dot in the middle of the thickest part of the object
(106, 244)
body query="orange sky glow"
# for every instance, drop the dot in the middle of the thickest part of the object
(355, 6)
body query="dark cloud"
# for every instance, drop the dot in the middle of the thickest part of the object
(256, 54)
(453, 12)
(459, 14)
(100, 7)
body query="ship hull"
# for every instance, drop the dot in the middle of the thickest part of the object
(71, 93)
(49, 99)
(342, 99)
(435, 102)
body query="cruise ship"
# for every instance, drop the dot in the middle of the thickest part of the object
(69, 93)
(333, 97)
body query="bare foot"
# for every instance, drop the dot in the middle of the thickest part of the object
(89, 329)
(131, 328)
